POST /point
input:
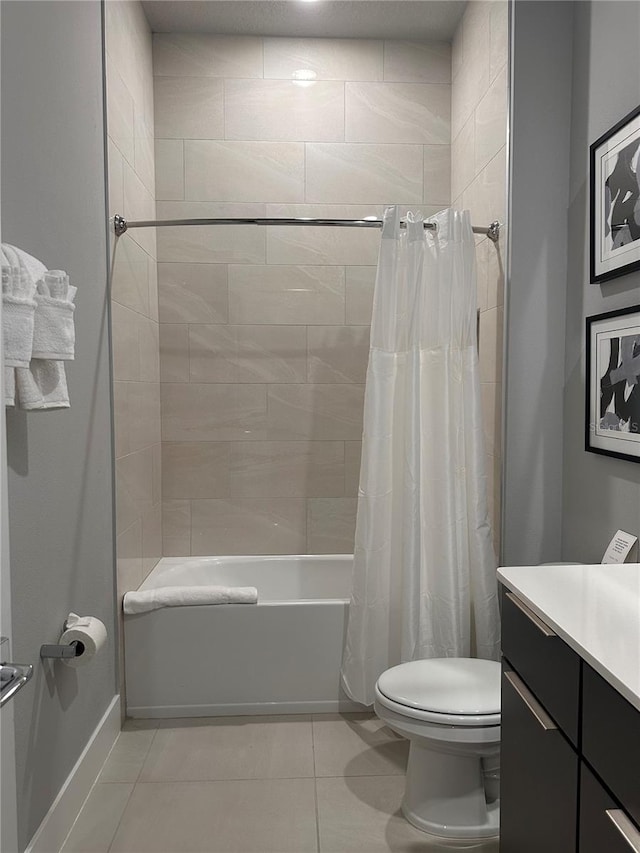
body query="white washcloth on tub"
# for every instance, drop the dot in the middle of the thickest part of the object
(180, 596)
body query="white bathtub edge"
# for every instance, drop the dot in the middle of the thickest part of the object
(341, 706)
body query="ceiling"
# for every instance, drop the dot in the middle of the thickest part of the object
(433, 20)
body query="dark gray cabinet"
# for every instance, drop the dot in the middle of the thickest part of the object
(570, 756)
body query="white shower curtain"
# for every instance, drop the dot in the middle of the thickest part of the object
(424, 582)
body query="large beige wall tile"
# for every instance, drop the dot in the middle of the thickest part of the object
(338, 353)
(499, 36)
(398, 112)
(360, 285)
(176, 528)
(244, 171)
(143, 151)
(115, 183)
(120, 113)
(134, 486)
(491, 121)
(352, 456)
(486, 196)
(193, 293)
(169, 156)
(328, 59)
(248, 526)
(174, 352)
(325, 412)
(137, 415)
(363, 174)
(124, 341)
(148, 350)
(472, 80)
(210, 244)
(204, 55)
(286, 294)
(491, 332)
(139, 204)
(189, 108)
(284, 110)
(195, 469)
(417, 62)
(151, 537)
(437, 176)
(296, 244)
(247, 353)
(130, 284)
(129, 559)
(331, 525)
(287, 469)
(463, 158)
(492, 416)
(197, 412)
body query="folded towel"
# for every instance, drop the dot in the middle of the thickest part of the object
(9, 386)
(53, 332)
(42, 386)
(19, 306)
(41, 383)
(180, 596)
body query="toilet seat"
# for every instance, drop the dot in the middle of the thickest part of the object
(443, 691)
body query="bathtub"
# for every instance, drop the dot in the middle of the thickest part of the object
(281, 656)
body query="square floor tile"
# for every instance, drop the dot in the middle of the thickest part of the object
(127, 756)
(357, 745)
(362, 815)
(249, 816)
(98, 821)
(231, 748)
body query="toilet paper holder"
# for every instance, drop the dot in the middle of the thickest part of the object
(72, 650)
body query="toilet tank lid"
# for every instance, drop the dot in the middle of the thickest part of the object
(445, 685)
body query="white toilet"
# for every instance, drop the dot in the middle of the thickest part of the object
(449, 709)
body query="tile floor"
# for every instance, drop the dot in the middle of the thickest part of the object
(292, 784)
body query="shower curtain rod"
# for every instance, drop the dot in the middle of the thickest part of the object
(120, 224)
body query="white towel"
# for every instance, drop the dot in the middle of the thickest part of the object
(9, 386)
(42, 386)
(181, 596)
(53, 332)
(41, 383)
(18, 314)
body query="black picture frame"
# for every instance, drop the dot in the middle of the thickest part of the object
(615, 248)
(612, 417)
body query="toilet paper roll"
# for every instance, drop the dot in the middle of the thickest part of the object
(90, 635)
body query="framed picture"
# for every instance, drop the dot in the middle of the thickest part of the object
(615, 200)
(613, 384)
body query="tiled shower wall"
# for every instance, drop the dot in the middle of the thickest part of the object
(134, 306)
(264, 332)
(479, 183)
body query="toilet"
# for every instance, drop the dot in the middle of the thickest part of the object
(449, 709)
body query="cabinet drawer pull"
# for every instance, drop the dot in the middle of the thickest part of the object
(531, 702)
(537, 621)
(626, 829)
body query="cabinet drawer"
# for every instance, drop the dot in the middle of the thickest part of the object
(545, 662)
(603, 825)
(611, 739)
(538, 777)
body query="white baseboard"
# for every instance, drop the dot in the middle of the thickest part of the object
(57, 823)
(321, 706)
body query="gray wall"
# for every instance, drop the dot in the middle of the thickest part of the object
(601, 494)
(540, 127)
(60, 470)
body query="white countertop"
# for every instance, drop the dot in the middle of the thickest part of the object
(595, 609)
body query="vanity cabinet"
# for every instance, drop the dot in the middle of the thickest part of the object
(570, 755)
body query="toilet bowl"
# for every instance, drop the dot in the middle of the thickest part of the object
(449, 709)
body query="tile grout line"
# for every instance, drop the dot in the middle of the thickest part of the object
(315, 780)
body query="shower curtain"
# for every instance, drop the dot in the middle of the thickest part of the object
(424, 582)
